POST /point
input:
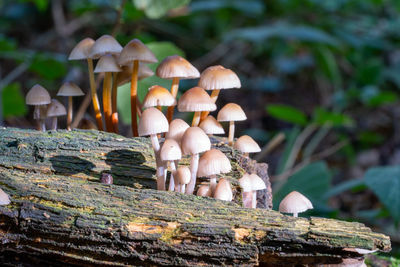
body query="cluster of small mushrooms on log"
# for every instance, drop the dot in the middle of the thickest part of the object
(121, 65)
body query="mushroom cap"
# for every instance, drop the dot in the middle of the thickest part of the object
(231, 112)
(107, 63)
(56, 109)
(245, 183)
(177, 128)
(151, 122)
(256, 182)
(158, 96)
(125, 76)
(295, 203)
(37, 95)
(170, 150)
(213, 162)
(217, 77)
(204, 191)
(176, 67)
(195, 141)
(183, 175)
(106, 44)
(196, 99)
(223, 191)
(211, 126)
(81, 49)
(136, 50)
(4, 198)
(246, 144)
(70, 89)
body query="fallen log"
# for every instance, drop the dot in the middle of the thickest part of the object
(61, 214)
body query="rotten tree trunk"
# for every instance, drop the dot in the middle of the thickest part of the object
(61, 214)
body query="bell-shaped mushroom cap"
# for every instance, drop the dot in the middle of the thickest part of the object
(158, 96)
(246, 144)
(223, 191)
(107, 63)
(37, 95)
(170, 150)
(231, 112)
(106, 44)
(295, 203)
(151, 122)
(211, 126)
(126, 75)
(196, 99)
(136, 50)
(217, 77)
(69, 89)
(204, 191)
(56, 109)
(81, 50)
(182, 174)
(177, 128)
(195, 141)
(245, 183)
(176, 67)
(213, 162)
(256, 182)
(4, 198)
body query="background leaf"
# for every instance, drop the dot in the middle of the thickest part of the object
(157, 8)
(13, 101)
(287, 113)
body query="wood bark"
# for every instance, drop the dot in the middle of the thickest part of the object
(61, 214)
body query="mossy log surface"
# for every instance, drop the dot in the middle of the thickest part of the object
(61, 214)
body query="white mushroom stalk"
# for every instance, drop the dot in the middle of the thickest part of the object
(169, 153)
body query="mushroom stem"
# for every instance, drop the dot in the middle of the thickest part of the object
(194, 165)
(106, 100)
(134, 97)
(174, 92)
(42, 125)
(160, 165)
(254, 201)
(295, 214)
(54, 121)
(114, 108)
(69, 113)
(171, 179)
(159, 108)
(95, 99)
(39, 113)
(213, 183)
(214, 97)
(231, 132)
(177, 185)
(182, 187)
(196, 118)
(247, 199)
(246, 154)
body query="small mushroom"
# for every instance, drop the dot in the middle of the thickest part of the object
(247, 190)
(256, 184)
(211, 126)
(158, 96)
(4, 198)
(295, 203)
(204, 191)
(231, 112)
(246, 145)
(177, 128)
(171, 152)
(182, 178)
(55, 110)
(69, 89)
(223, 190)
(40, 98)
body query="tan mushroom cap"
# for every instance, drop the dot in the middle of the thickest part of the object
(106, 44)
(195, 141)
(4, 198)
(136, 50)
(231, 112)
(56, 109)
(196, 99)
(107, 63)
(81, 50)
(177, 128)
(211, 126)
(151, 122)
(213, 162)
(182, 174)
(218, 77)
(204, 191)
(170, 150)
(223, 191)
(245, 183)
(246, 144)
(37, 95)
(70, 89)
(295, 203)
(126, 75)
(176, 67)
(256, 182)
(158, 96)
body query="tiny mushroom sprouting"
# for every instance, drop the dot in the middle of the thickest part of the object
(216, 78)
(223, 190)
(171, 152)
(194, 141)
(231, 112)
(256, 184)
(204, 191)
(211, 126)
(246, 145)
(196, 100)
(55, 109)
(40, 98)
(158, 96)
(212, 163)
(247, 190)
(176, 68)
(182, 178)
(69, 89)
(177, 128)
(4, 198)
(153, 122)
(295, 203)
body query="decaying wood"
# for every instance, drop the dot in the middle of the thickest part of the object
(61, 214)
